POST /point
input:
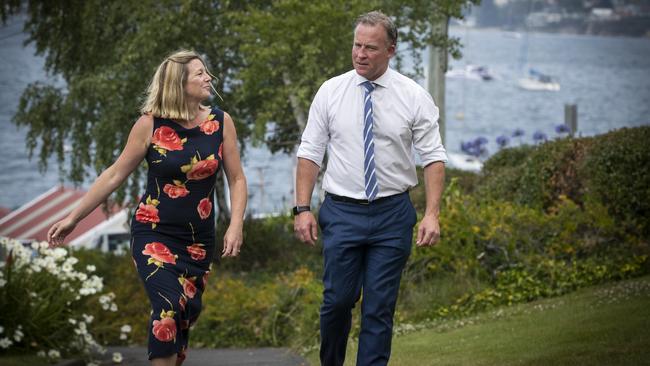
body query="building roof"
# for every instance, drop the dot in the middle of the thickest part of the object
(32, 220)
(4, 211)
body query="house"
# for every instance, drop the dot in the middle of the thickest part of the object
(101, 230)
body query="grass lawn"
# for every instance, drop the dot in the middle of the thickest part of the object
(603, 325)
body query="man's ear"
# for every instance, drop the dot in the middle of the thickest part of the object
(391, 50)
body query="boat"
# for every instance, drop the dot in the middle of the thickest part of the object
(470, 72)
(464, 162)
(537, 81)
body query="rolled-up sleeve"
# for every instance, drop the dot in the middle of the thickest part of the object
(426, 132)
(315, 137)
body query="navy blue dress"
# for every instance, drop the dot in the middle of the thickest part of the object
(173, 229)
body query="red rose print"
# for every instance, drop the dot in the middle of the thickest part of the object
(196, 251)
(220, 153)
(209, 127)
(189, 288)
(176, 190)
(166, 139)
(203, 169)
(159, 253)
(147, 213)
(204, 208)
(164, 329)
(182, 301)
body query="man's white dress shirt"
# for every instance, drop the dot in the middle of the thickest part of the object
(405, 116)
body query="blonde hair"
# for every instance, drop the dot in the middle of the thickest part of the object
(166, 91)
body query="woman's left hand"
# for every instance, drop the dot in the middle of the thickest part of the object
(232, 242)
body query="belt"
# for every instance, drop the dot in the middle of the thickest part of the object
(358, 201)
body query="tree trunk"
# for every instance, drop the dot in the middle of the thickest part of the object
(298, 111)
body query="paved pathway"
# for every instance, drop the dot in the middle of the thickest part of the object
(136, 356)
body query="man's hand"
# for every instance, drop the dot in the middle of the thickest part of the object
(305, 228)
(428, 231)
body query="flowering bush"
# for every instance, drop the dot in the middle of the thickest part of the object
(46, 304)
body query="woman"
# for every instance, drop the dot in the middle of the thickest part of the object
(173, 235)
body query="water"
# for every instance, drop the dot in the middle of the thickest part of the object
(606, 77)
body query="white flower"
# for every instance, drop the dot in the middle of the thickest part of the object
(40, 353)
(60, 253)
(125, 328)
(2, 329)
(88, 318)
(66, 267)
(123, 336)
(113, 307)
(117, 357)
(92, 364)
(93, 285)
(5, 342)
(36, 245)
(53, 354)
(3, 282)
(36, 268)
(18, 335)
(90, 268)
(72, 321)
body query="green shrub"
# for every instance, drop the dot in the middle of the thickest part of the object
(617, 170)
(548, 278)
(280, 312)
(612, 169)
(535, 176)
(465, 181)
(270, 246)
(498, 252)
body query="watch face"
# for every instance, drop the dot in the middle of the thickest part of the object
(299, 209)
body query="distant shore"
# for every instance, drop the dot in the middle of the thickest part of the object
(635, 27)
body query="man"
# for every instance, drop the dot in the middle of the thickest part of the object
(368, 119)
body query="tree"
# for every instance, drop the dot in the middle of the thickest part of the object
(106, 52)
(270, 56)
(290, 47)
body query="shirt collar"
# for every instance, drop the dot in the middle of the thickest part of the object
(382, 81)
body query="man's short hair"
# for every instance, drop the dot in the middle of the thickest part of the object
(377, 17)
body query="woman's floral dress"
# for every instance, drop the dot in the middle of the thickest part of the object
(173, 236)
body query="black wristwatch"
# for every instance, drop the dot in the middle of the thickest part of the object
(299, 209)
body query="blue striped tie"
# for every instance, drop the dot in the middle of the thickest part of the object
(369, 145)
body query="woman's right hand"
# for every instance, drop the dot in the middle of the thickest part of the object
(59, 231)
